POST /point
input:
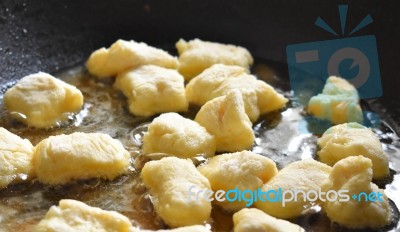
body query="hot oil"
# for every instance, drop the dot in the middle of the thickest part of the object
(104, 111)
(282, 136)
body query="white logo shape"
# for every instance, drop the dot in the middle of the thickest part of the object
(358, 58)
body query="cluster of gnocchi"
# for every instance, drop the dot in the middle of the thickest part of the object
(61, 159)
(217, 79)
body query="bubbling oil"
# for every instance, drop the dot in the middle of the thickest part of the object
(278, 136)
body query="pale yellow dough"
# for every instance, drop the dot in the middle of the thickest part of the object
(169, 181)
(151, 89)
(173, 134)
(243, 170)
(352, 139)
(63, 158)
(42, 101)
(302, 175)
(123, 55)
(355, 174)
(76, 216)
(197, 55)
(219, 80)
(255, 220)
(197, 228)
(15, 159)
(338, 102)
(226, 119)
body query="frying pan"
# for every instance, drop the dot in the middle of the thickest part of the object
(55, 35)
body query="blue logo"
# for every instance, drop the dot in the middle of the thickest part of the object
(353, 58)
(368, 197)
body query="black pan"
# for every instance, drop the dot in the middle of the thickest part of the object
(53, 36)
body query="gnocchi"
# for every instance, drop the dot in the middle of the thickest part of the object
(15, 159)
(64, 158)
(169, 181)
(243, 170)
(173, 134)
(226, 119)
(197, 55)
(197, 228)
(304, 175)
(219, 80)
(354, 174)
(256, 220)
(123, 55)
(42, 101)
(337, 103)
(151, 89)
(76, 216)
(352, 139)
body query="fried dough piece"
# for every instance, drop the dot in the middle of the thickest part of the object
(197, 228)
(15, 159)
(76, 216)
(226, 119)
(42, 101)
(219, 80)
(196, 55)
(304, 175)
(64, 158)
(354, 174)
(243, 170)
(169, 181)
(123, 55)
(337, 103)
(173, 134)
(151, 89)
(256, 220)
(353, 139)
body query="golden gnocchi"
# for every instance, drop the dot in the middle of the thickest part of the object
(64, 158)
(197, 228)
(123, 55)
(151, 89)
(352, 139)
(226, 119)
(173, 134)
(197, 55)
(169, 181)
(219, 80)
(337, 103)
(256, 220)
(76, 216)
(243, 170)
(304, 175)
(354, 174)
(15, 159)
(42, 101)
